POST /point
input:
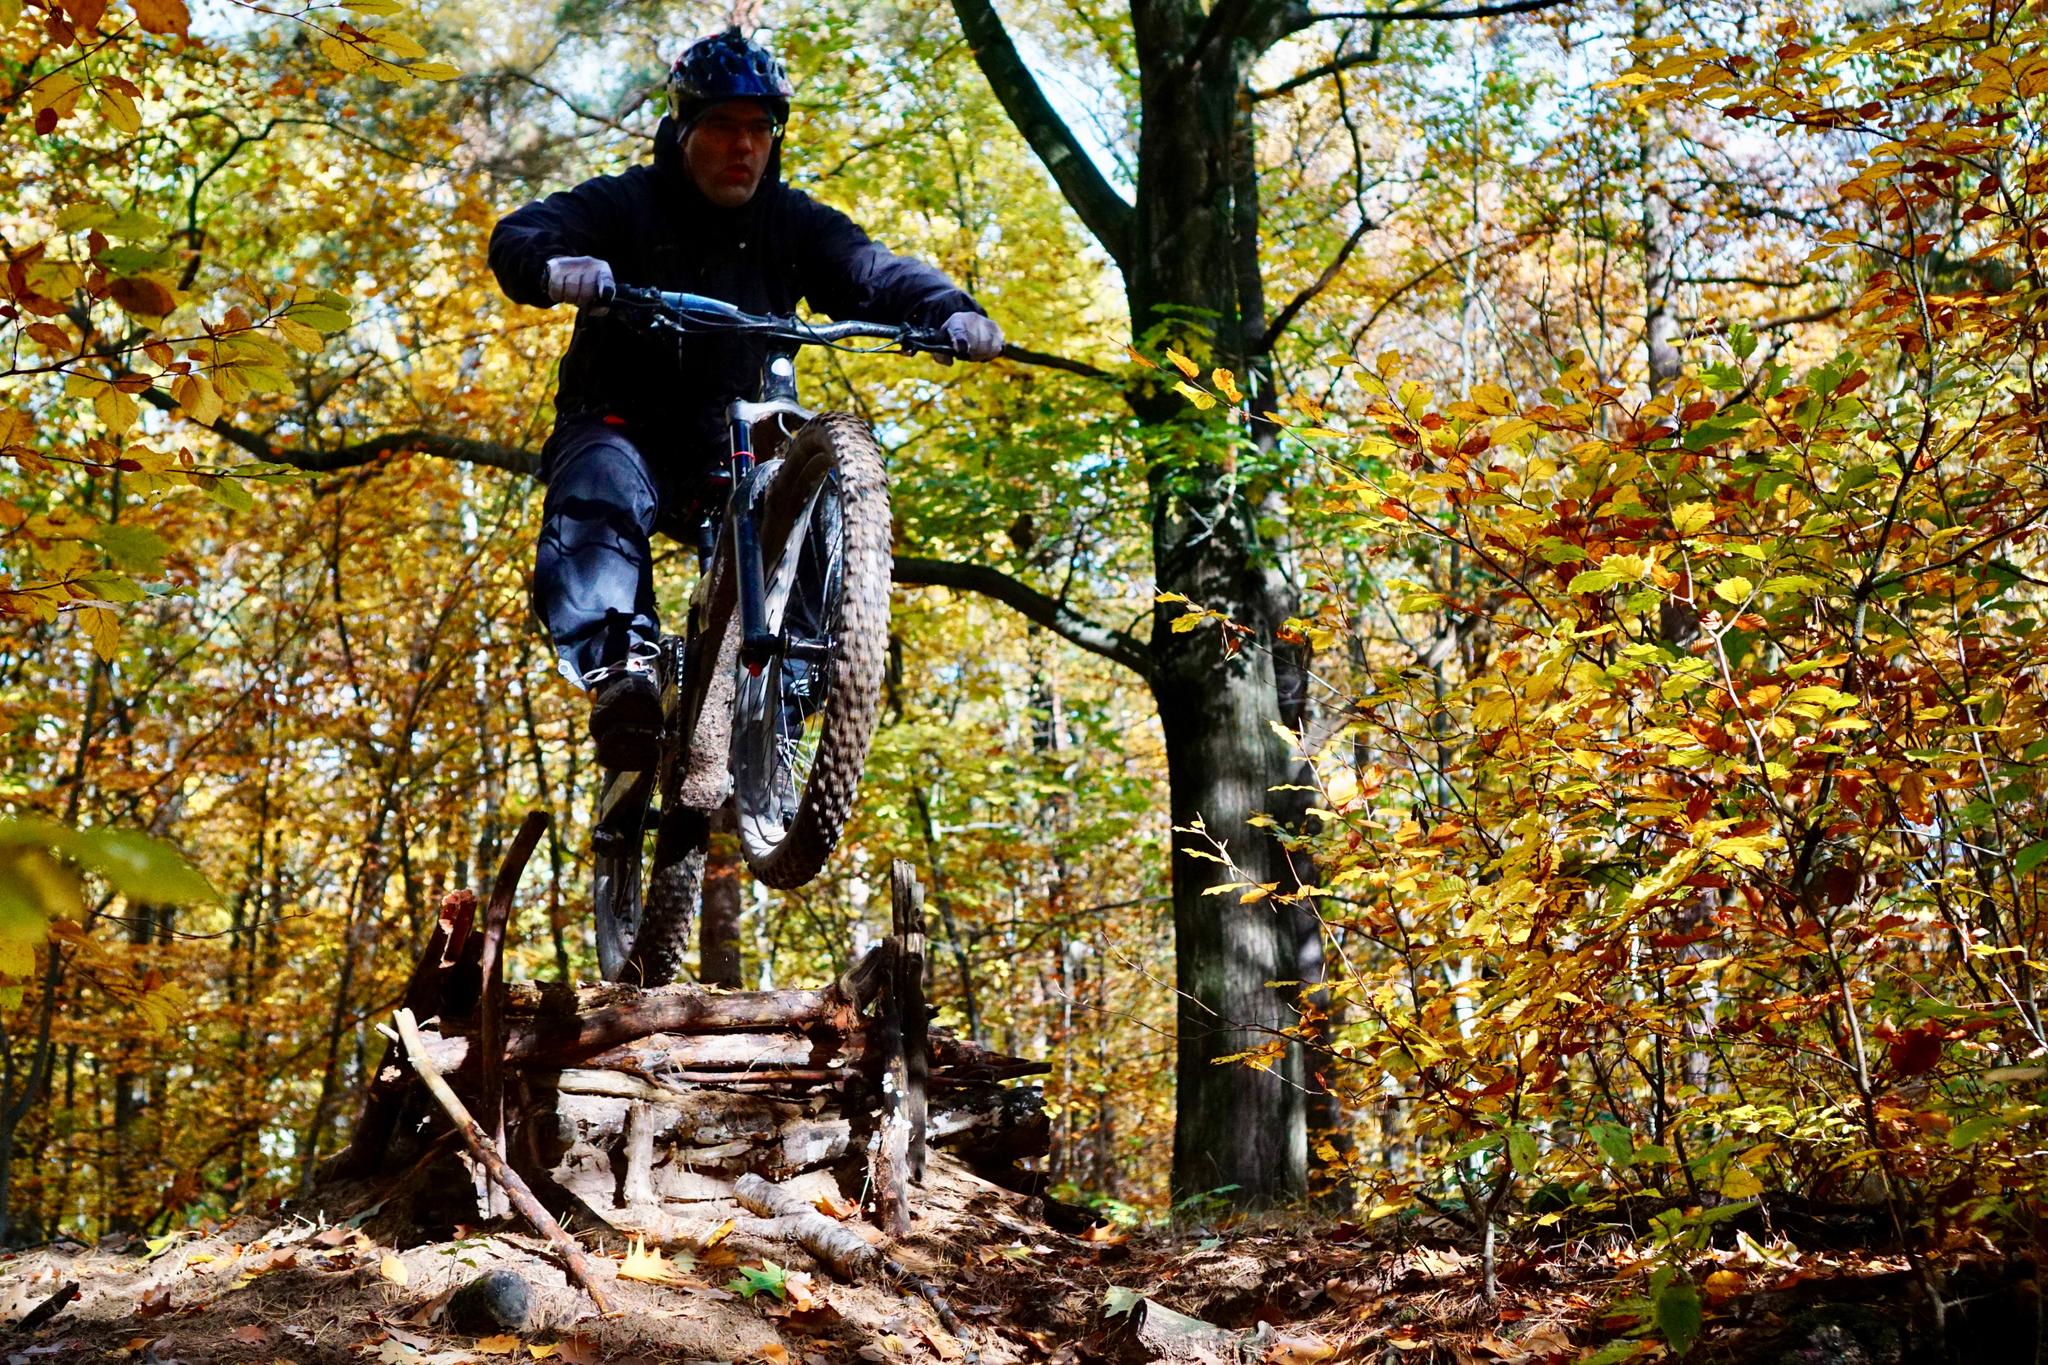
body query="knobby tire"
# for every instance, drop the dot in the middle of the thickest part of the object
(832, 461)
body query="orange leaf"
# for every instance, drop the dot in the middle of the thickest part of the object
(162, 16)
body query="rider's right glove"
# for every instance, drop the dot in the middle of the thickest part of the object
(579, 280)
(972, 336)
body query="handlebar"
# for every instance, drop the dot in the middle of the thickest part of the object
(697, 314)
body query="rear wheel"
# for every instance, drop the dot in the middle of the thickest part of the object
(802, 723)
(646, 881)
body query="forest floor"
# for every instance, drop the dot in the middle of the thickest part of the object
(365, 1287)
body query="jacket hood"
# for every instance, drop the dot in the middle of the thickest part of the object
(668, 160)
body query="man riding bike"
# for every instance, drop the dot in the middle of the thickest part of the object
(639, 429)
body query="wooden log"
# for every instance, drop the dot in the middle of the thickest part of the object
(424, 991)
(1151, 1332)
(907, 906)
(992, 1123)
(491, 979)
(965, 1060)
(889, 1143)
(516, 1189)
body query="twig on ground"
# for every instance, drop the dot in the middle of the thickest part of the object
(48, 1308)
(480, 1147)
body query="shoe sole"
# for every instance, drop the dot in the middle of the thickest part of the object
(630, 741)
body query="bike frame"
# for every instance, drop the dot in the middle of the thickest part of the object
(776, 399)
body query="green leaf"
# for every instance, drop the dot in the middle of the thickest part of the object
(1615, 1142)
(132, 862)
(1118, 1301)
(768, 1277)
(1522, 1150)
(1593, 580)
(135, 548)
(2029, 858)
(1970, 1132)
(1678, 1315)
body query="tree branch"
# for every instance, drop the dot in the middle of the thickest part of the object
(1048, 361)
(1029, 603)
(1389, 16)
(1105, 212)
(1285, 316)
(458, 448)
(1315, 73)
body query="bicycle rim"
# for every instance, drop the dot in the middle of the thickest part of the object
(802, 724)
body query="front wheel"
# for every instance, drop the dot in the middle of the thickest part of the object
(803, 721)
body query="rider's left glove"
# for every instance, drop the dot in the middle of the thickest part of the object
(972, 336)
(579, 280)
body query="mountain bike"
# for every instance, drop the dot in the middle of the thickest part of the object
(770, 695)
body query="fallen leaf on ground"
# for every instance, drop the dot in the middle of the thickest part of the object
(832, 1206)
(719, 1233)
(642, 1264)
(251, 1333)
(393, 1269)
(1108, 1233)
(502, 1345)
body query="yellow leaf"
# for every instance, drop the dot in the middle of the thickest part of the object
(401, 43)
(1182, 363)
(116, 409)
(342, 56)
(433, 71)
(1734, 591)
(642, 1264)
(1226, 383)
(1493, 400)
(197, 397)
(379, 8)
(1740, 1182)
(497, 1346)
(1137, 359)
(393, 1269)
(720, 1233)
(163, 16)
(1193, 394)
(120, 111)
(1691, 518)
(300, 335)
(103, 628)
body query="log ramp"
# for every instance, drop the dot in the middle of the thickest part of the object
(610, 1112)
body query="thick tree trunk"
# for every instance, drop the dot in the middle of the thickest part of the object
(1237, 1126)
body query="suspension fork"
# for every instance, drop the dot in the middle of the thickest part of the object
(778, 399)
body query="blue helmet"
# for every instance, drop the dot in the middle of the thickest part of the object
(727, 66)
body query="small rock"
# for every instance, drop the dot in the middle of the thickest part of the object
(496, 1301)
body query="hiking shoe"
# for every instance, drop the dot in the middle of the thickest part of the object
(625, 716)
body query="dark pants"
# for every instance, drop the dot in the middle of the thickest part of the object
(593, 580)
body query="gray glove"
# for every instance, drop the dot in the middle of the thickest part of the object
(579, 280)
(973, 337)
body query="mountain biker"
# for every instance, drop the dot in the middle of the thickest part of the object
(639, 427)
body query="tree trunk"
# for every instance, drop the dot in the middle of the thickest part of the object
(1237, 1127)
(718, 923)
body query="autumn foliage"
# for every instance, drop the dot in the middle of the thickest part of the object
(1665, 480)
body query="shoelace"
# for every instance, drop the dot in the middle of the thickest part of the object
(638, 663)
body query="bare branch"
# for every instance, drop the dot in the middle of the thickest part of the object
(1315, 73)
(1285, 316)
(1048, 361)
(1028, 602)
(1390, 16)
(458, 448)
(1105, 212)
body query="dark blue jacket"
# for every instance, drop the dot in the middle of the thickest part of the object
(655, 228)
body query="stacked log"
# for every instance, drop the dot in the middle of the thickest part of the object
(646, 1107)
